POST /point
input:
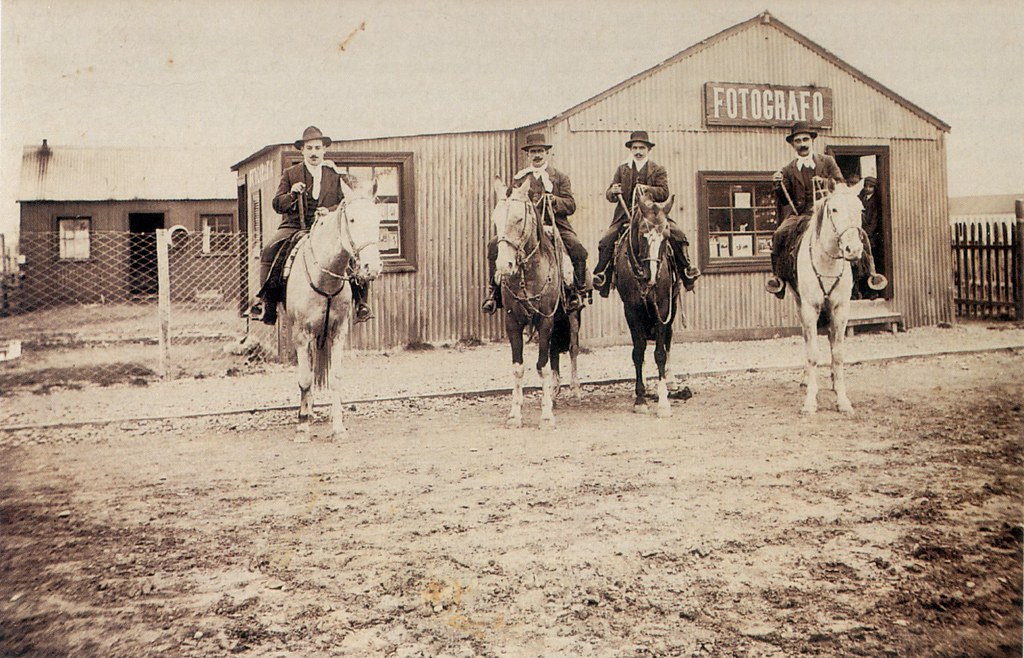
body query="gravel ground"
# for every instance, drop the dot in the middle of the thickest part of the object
(460, 369)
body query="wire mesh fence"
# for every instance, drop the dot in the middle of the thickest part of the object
(114, 307)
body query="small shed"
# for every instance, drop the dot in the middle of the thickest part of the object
(89, 217)
(718, 113)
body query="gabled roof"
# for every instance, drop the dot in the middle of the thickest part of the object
(991, 204)
(763, 18)
(69, 173)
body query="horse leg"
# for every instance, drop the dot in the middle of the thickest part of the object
(574, 350)
(661, 349)
(809, 323)
(515, 339)
(837, 336)
(337, 349)
(305, 358)
(556, 377)
(547, 412)
(639, 350)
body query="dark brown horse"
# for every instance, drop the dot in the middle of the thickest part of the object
(530, 268)
(645, 277)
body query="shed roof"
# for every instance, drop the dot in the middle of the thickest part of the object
(991, 204)
(764, 18)
(73, 173)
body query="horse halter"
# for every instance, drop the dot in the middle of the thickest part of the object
(840, 234)
(521, 256)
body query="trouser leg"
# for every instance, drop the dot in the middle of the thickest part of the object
(578, 256)
(493, 300)
(605, 247)
(680, 245)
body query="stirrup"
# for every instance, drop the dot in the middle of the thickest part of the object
(257, 311)
(775, 286)
(489, 306)
(363, 313)
(692, 273)
(599, 279)
(877, 281)
(573, 302)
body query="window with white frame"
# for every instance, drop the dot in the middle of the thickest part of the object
(217, 237)
(73, 237)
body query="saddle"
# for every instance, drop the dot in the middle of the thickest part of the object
(284, 258)
(568, 280)
(790, 245)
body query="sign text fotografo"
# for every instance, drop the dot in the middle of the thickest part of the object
(741, 104)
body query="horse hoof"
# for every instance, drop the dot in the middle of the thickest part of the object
(639, 408)
(547, 423)
(514, 423)
(664, 412)
(845, 407)
(810, 411)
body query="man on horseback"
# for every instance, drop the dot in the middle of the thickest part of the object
(551, 195)
(798, 186)
(307, 191)
(640, 175)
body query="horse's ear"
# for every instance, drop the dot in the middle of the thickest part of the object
(500, 188)
(667, 206)
(345, 189)
(523, 191)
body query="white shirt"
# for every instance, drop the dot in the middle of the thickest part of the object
(805, 162)
(638, 165)
(540, 173)
(317, 174)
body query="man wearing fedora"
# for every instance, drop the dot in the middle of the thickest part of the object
(551, 193)
(796, 187)
(311, 189)
(639, 175)
(869, 196)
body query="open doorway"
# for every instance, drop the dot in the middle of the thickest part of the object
(869, 166)
(142, 266)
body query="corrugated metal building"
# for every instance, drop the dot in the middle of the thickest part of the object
(89, 216)
(718, 113)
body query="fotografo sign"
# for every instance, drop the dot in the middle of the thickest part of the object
(741, 104)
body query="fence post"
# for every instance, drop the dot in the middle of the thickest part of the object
(1018, 265)
(163, 271)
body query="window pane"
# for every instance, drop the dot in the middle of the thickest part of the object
(719, 220)
(73, 238)
(387, 181)
(764, 245)
(765, 219)
(763, 195)
(743, 219)
(718, 195)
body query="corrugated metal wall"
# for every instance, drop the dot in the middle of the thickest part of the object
(669, 103)
(440, 301)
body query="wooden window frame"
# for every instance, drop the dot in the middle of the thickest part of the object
(404, 162)
(61, 241)
(760, 263)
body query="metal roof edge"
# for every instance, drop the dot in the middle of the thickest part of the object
(765, 18)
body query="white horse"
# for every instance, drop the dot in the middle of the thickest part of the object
(341, 245)
(829, 244)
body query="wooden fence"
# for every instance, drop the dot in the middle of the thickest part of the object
(987, 275)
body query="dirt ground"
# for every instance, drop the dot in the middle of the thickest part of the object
(736, 528)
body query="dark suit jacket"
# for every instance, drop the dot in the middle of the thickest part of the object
(287, 203)
(801, 190)
(653, 175)
(562, 202)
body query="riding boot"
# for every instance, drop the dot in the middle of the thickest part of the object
(360, 294)
(493, 300)
(602, 280)
(774, 284)
(574, 298)
(687, 273)
(264, 306)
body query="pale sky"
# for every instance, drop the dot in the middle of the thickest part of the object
(242, 74)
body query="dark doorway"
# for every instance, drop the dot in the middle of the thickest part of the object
(859, 163)
(142, 267)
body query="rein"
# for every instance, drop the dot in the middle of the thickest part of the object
(839, 236)
(636, 220)
(341, 278)
(522, 259)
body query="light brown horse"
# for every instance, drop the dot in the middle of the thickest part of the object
(529, 268)
(341, 245)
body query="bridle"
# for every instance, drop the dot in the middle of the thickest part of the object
(351, 265)
(638, 224)
(826, 210)
(531, 225)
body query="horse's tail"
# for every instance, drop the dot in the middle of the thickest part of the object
(321, 359)
(561, 334)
